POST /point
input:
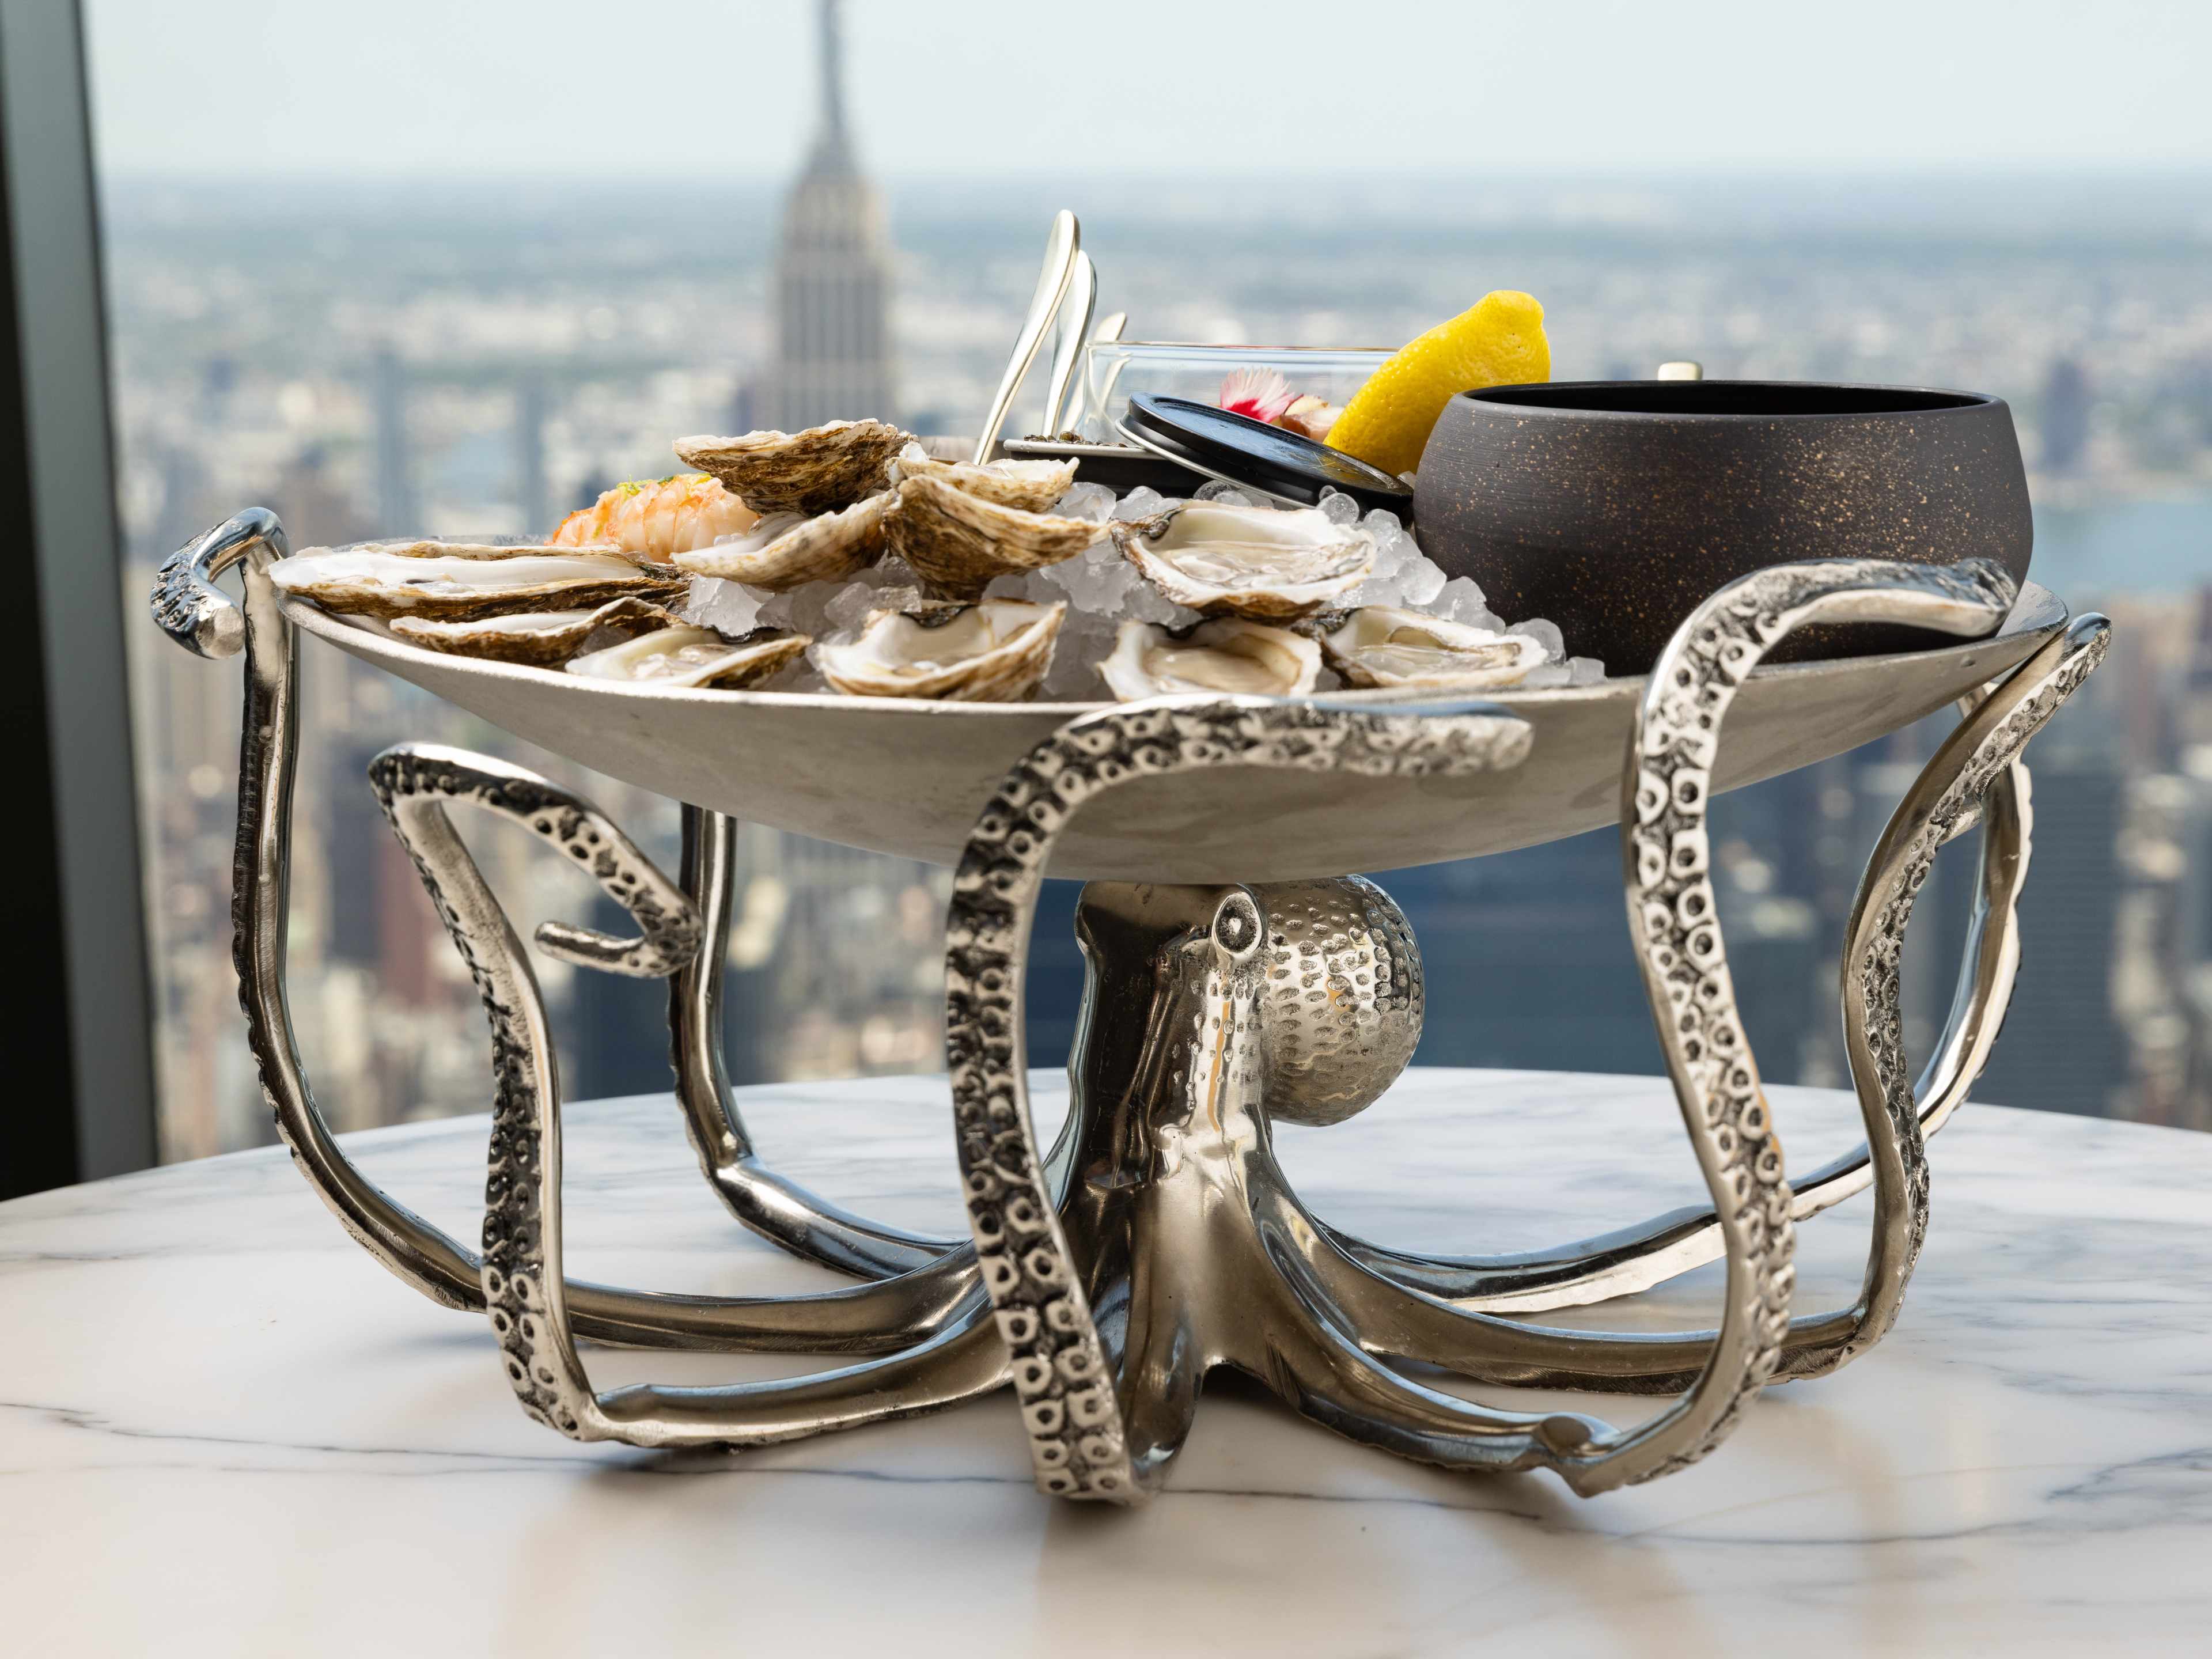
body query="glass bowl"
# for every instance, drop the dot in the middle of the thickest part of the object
(1114, 370)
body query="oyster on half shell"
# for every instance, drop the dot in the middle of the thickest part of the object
(786, 551)
(460, 579)
(817, 470)
(994, 651)
(541, 638)
(957, 543)
(1226, 654)
(1221, 557)
(1030, 485)
(692, 657)
(1380, 645)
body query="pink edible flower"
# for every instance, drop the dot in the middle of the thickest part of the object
(1261, 393)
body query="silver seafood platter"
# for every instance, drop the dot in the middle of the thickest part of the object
(907, 776)
(1239, 973)
(1237, 977)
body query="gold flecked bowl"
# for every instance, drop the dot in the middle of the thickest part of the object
(1614, 508)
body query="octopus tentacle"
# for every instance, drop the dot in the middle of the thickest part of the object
(1081, 1440)
(523, 1289)
(772, 1205)
(1331, 1379)
(1976, 776)
(1078, 1443)
(199, 616)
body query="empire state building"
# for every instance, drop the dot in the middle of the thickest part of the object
(832, 359)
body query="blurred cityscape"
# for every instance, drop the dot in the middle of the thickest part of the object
(479, 360)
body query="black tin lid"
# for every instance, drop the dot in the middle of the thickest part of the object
(1239, 450)
(1121, 467)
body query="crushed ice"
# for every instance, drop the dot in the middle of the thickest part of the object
(1102, 590)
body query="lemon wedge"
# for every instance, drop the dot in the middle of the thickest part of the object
(1499, 342)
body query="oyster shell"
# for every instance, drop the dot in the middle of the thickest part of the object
(1226, 654)
(957, 543)
(460, 579)
(693, 656)
(817, 470)
(539, 637)
(1260, 562)
(994, 651)
(785, 550)
(1381, 645)
(1030, 485)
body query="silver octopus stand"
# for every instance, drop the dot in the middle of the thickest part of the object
(1159, 1238)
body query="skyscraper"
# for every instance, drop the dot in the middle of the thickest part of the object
(395, 483)
(833, 357)
(531, 495)
(2065, 417)
(2063, 1049)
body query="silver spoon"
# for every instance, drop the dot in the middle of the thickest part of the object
(1074, 329)
(1080, 401)
(1060, 247)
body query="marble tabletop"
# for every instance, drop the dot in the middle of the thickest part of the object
(225, 1430)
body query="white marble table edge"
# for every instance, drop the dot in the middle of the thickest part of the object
(2162, 1497)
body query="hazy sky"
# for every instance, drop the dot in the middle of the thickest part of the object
(725, 89)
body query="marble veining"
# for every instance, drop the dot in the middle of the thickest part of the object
(224, 1430)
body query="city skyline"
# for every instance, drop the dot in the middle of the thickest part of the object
(462, 357)
(240, 382)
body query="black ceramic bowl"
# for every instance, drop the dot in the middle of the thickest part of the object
(1614, 508)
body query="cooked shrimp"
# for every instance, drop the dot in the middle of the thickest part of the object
(658, 519)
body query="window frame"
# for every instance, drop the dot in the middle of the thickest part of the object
(75, 907)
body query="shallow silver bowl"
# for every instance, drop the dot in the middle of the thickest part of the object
(909, 777)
